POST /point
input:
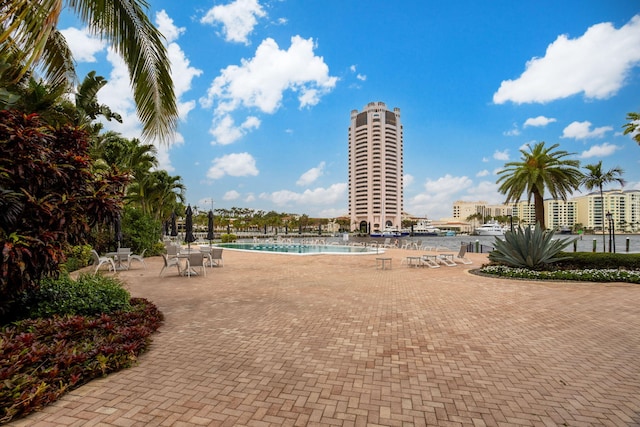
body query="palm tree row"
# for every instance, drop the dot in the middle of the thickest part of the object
(547, 170)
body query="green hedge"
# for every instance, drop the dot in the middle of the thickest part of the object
(88, 295)
(598, 260)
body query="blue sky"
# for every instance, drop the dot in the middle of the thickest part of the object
(266, 88)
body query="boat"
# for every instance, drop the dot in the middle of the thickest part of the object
(565, 229)
(387, 232)
(489, 229)
(425, 228)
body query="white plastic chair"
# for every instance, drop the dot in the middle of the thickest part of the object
(99, 260)
(139, 258)
(170, 262)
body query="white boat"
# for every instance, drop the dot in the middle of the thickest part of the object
(387, 232)
(489, 229)
(424, 228)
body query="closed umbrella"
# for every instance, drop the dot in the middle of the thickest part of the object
(117, 229)
(174, 227)
(210, 227)
(166, 228)
(188, 227)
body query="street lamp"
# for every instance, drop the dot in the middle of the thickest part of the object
(611, 231)
(510, 221)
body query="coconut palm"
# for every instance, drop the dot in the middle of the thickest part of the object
(540, 169)
(596, 178)
(633, 127)
(28, 32)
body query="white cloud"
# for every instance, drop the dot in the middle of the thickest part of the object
(318, 196)
(603, 150)
(167, 28)
(482, 173)
(250, 198)
(596, 64)
(83, 45)
(238, 19)
(539, 121)
(226, 132)
(514, 131)
(236, 164)
(260, 82)
(501, 155)
(231, 195)
(311, 175)
(407, 180)
(438, 196)
(581, 130)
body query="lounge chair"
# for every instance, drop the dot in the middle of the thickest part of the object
(139, 258)
(461, 257)
(446, 259)
(99, 260)
(170, 262)
(429, 261)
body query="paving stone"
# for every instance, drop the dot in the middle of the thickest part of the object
(321, 340)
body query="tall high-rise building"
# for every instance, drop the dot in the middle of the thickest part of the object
(375, 168)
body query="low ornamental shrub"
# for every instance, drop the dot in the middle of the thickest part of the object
(88, 295)
(590, 260)
(77, 258)
(228, 238)
(585, 275)
(42, 359)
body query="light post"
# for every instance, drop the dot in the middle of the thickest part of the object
(510, 221)
(610, 223)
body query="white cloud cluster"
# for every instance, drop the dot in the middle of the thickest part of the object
(407, 180)
(311, 175)
(501, 155)
(318, 196)
(582, 130)
(539, 121)
(231, 195)
(261, 81)
(238, 19)
(83, 45)
(596, 64)
(603, 150)
(437, 198)
(236, 164)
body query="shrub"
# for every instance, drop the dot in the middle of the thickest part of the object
(599, 260)
(525, 247)
(88, 295)
(77, 258)
(42, 359)
(585, 275)
(228, 238)
(140, 230)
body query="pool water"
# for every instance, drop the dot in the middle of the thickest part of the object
(300, 249)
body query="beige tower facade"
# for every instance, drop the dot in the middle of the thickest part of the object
(375, 169)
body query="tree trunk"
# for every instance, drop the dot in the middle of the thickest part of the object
(604, 241)
(539, 209)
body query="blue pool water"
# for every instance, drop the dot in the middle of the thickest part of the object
(301, 249)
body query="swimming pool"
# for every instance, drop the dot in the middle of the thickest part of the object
(301, 249)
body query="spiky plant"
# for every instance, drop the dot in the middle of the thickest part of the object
(528, 248)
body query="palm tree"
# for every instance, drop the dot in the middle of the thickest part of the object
(633, 127)
(28, 34)
(540, 169)
(596, 178)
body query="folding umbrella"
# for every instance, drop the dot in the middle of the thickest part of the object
(174, 227)
(188, 227)
(166, 227)
(117, 228)
(210, 227)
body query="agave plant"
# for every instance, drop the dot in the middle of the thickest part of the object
(528, 248)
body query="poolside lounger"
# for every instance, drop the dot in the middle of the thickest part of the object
(447, 259)
(461, 257)
(429, 261)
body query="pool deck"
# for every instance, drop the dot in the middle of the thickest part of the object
(333, 340)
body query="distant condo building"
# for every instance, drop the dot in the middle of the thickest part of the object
(588, 210)
(375, 169)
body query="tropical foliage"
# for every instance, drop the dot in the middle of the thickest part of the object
(41, 359)
(597, 178)
(540, 169)
(28, 36)
(526, 247)
(51, 197)
(633, 126)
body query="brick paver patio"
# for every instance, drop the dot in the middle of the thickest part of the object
(331, 340)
